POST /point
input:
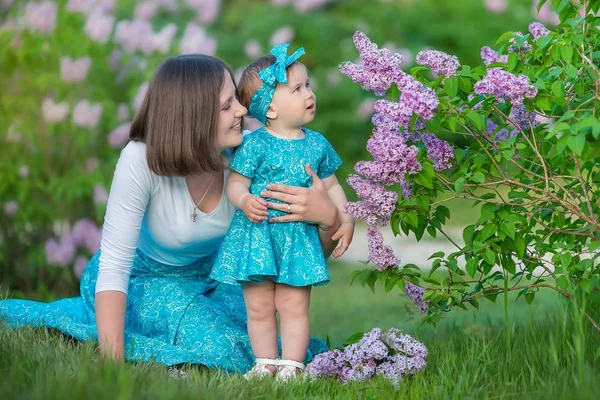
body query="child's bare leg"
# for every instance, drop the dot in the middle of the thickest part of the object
(262, 323)
(292, 304)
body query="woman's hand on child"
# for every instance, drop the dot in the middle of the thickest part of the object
(311, 205)
(345, 232)
(254, 207)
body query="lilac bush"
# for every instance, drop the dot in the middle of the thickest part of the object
(529, 116)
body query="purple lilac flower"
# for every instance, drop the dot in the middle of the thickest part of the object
(377, 204)
(515, 48)
(416, 295)
(491, 126)
(496, 6)
(380, 254)
(504, 85)
(100, 194)
(538, 30)
(79, 265)
(489, 56)
(282, 35)
(325, 364)
(405, 344)
(393, 157)
(439, 62)
(371, 347)
(403, 355)
(60, 253)
(416, 97)
(503, 135)
(392, 112)
(400, 365)
(439, 151)
(11, 207)
(360, 372)
(379, 68)
(524, 119)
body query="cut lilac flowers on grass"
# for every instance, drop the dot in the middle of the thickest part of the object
(390, 354)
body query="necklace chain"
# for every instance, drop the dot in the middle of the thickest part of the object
(194, 214)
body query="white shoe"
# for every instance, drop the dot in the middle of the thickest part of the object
(288, 370)
(260, 370)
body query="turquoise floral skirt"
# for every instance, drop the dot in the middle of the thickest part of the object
(175, 315)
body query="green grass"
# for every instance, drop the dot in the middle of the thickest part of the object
(468, 357)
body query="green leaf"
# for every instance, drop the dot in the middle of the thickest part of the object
(458, 185)
(543, 103)
(488, 231)
(509, 265)
(589, 122)
(509, 229)
(471, 267)
(577, 143)
(478, 177)
(372, 280)
(354, 275)
(424, 179)
(566, 53)
(451, 86)
(390, 283)
(505, 37)
(565, 260)
(476, 119)
(586, 285)
(439, 254)
(562, 143)
(395, 92)
(559, 127)
(518, 195)
(513, 59)
(561, 6)
(563, 282)
(355, 338)
(468, 234)
(489, 256)
(529, 297)
(565, 116)
(453, 123)
(558, 88)
(519, 245)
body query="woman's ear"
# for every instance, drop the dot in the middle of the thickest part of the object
(271, 112)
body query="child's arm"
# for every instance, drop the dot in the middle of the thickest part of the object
(346, 229)
(239, 195)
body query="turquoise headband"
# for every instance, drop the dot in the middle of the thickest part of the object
(271, 76)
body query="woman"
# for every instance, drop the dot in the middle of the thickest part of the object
(147, 290)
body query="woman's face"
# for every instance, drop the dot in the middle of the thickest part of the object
(229, 132)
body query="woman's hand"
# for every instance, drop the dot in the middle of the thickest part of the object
(310, 205)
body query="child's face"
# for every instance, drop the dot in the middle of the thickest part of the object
(230, 116)
(294, 103)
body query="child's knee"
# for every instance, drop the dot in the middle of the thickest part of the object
(292, 306)
(260, 310)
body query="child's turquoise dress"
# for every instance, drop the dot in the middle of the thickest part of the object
(289, 252)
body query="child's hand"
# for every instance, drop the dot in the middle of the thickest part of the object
(254, 207)
(346, 233)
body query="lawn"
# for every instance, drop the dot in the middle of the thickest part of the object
(549, 357)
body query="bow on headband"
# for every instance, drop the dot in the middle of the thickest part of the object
(271, 76)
